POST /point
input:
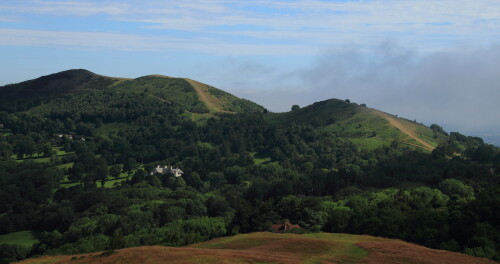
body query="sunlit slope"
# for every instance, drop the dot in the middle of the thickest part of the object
(368, 128)
(276, 248)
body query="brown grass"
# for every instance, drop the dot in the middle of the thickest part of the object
(402, 252)
(276, 248)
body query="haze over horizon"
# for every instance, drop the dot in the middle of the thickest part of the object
(432, 61)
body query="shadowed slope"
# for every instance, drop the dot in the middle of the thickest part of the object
(24, 95)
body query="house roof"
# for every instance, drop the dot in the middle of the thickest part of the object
(283, 227)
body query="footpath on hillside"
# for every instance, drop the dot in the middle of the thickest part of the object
(405, 129)
(204, 97)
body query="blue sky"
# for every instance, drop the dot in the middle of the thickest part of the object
(433, 61)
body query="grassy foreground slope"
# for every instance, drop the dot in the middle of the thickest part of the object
(366, 127)
(276, 248)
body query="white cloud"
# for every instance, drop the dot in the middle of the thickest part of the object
(131, 42)
(67, 8)
(430, 25)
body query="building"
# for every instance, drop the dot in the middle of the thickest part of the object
(166, 170)
(283, 227)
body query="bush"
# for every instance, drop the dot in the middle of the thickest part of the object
(11, 253)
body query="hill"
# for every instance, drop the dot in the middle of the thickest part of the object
(366, 127)
(276, 248)
(88, 92)
(194, 97)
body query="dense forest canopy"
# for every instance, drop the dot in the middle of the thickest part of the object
(75, 170)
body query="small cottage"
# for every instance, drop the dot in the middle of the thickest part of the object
(283, 227)
(166, 170)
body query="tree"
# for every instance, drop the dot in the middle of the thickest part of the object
(100, 172)
(295, 107)
(438, 129)
(130, 165)
(457, 190)
(115, 171)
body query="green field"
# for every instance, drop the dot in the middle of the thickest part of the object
(24, 238)
(43, 159)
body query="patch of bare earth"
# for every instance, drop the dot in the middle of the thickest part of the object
(211, 101)
(405, 129)
(403, 252)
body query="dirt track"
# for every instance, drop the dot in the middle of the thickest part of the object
(399, 125)
(204, 97)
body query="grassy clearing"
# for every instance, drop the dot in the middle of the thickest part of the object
(65, 165)
(24, 238)
(42, 159)
(308, 248)
(111, 183)
(200, 119)
(369, 143)
(259, 159)
(60, 152)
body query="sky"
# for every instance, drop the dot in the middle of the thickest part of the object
(431, 61)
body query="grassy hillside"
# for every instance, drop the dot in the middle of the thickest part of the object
(219, 101)
(276, 248)
(85, 89)
(366, 127)
(23, 238)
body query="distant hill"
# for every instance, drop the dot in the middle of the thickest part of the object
(276, 248)
(192, 96)
(366, 127)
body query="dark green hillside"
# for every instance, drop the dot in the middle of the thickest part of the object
(366, 127)
(22, 96)
(320, 113)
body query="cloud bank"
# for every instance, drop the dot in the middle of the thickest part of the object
(459, 89)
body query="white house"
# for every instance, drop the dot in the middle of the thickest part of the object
(166, 170)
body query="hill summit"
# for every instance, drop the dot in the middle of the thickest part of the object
(192, 96)
(366, 127)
